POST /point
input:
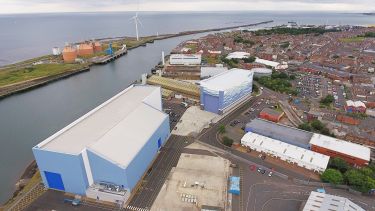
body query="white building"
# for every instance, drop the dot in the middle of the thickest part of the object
(185, 59)
(222, 92)
(207, 72)
(276, 65)
(238, 55)
(261, 72)
(290, 153)
(351, 152)
(323, 202)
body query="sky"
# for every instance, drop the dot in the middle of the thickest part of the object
(48, 6)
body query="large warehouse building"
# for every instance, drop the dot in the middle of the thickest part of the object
(323, 202)
(223, 91)
(111, 146)
(286, 152)
(185, 59)
(284, 133)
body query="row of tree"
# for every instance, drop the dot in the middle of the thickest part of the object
(341, 173)
(292, 31)
(316, 126)
(279, 82)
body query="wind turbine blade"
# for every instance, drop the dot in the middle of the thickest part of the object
(139, 21)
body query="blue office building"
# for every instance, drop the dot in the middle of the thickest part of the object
(223, 91)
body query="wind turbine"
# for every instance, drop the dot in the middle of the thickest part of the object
(136, 22)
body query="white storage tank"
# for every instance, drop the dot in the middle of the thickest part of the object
(56, 51)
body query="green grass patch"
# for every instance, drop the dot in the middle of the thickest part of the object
(13, 75)
(352, 39)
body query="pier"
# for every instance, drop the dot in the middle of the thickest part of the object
(109, 58)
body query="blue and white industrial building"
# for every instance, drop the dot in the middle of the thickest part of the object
(223, 91)
(114, 144)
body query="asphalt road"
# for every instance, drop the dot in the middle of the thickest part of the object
(209, 136)
(154, 180)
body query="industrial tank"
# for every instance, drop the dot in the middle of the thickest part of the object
(97, 47)
(69, 54)
(85, 49)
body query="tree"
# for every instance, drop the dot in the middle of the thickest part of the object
(339, 164)
(255, 88)
(317, 125)
(251, 59)
(227, 141)
(305, 126)
(292, 77)
(354, 177)
(332, 176)
(327, 100)
(221, 129)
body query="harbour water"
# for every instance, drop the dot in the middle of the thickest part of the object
(30, 35)
(30, 117)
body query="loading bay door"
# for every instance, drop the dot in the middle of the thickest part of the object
(54, 181)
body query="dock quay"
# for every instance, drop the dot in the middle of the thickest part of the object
(12, 89)
(109, 58)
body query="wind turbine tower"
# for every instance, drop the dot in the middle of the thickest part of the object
(136, 22)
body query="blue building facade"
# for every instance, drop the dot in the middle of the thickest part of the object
(114, 143)
(62, 172)
(220, 92)
(67, 172)
(103, 170)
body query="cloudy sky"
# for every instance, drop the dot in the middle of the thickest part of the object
(38, 6)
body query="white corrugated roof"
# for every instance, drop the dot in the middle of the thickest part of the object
(227, 80)
(355, 103)
(238, 55)
(341, 146)
(322, 202)
(116, 129)
(267, 62)
(287, 150)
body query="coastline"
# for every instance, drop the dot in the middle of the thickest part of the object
(23, 86)
(34, 83)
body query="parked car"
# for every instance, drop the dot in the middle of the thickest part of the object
(233, 165)
(270, 174)
(262, 171)
(252, 167)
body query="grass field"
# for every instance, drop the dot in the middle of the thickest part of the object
(12, 75)
(352, 39)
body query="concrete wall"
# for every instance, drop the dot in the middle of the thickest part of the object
(70, 167)
(104, 170)
(139, 165)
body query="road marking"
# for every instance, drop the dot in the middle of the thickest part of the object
(136, 208)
